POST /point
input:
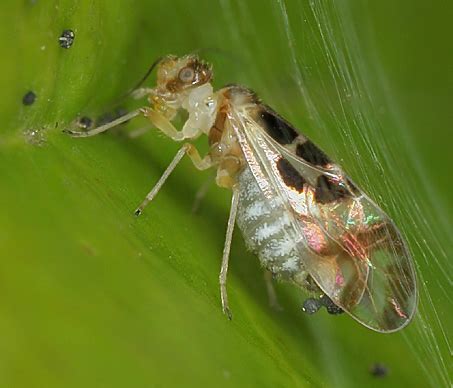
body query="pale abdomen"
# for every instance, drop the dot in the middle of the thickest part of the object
(266, 227)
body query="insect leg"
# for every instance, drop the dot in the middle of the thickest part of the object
(198, 162)
(226, 253)
(104, 127)
(271, 294)
(163, 124)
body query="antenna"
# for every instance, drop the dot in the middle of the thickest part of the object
(144, 78)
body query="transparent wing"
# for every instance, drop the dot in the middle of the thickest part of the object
(350, 247)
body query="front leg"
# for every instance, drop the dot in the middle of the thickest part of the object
(158, 119)
(105, 127)
(163, 124)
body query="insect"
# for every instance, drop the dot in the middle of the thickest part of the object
(306, 220)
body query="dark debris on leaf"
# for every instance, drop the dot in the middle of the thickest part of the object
(379, 370)
(334, 310)
(311, 306)
(29, 98)
(66, 39)
(331, 307)
(85, 122)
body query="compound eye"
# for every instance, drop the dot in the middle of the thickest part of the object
(187, 75)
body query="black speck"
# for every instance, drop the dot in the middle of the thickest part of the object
(331, 307)
(311, 306)
(379, 370)
(29, 98)
(85, 122)
(334, 309)
(66, 39)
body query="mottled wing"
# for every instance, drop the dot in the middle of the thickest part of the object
(351, 248)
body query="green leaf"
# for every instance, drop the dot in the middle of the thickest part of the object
(92, 296)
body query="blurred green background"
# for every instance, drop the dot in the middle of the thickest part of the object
(93, 297)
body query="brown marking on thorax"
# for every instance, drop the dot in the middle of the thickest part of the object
(225, 148)
(216, 131)
(230, 159)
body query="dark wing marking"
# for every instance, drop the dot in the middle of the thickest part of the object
(275, 126)
(309, 152)
(329, 190)
(290, 175)
(285, 134)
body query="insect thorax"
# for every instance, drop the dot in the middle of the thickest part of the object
(225, 150)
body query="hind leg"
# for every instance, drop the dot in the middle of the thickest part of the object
(226, 254)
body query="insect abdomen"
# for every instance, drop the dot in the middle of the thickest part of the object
(266, 227)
